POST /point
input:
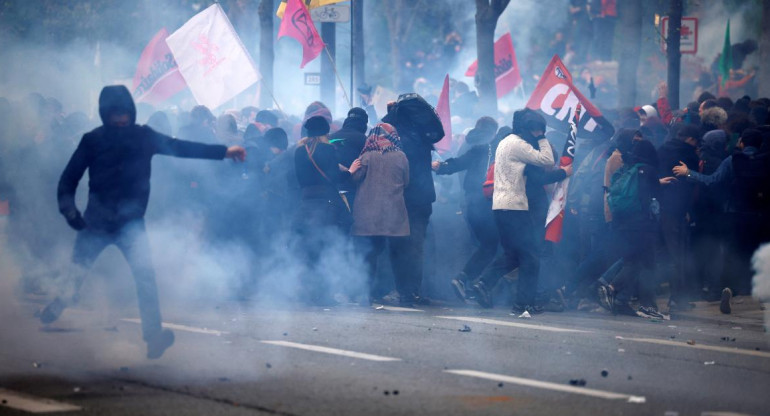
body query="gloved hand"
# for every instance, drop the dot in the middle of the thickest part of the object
(75, 220)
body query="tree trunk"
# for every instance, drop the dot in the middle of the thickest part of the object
(487, 13)
(357, 48)
(674, 54)
(630, 15)
(764, 52)
(266, 53)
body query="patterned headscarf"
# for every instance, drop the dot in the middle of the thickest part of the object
(382, 138)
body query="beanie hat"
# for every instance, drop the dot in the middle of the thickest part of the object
(276, 137)
(316, 126)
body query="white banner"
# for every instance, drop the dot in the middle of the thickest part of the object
(211, 58)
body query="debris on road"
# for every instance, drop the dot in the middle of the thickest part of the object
(709, 362)
(315, 329)
(578, 382)
(223, 379)
(123, 369)
(76, 389)
(525, 315)
(379, 308)
(285, 334)
(36, 364)
(690, 342)
(737, 327)
(621, 350)
(605, 373)
(465, 328)
(268, 365)
(728, 339)
(637, 399)
(500, 385)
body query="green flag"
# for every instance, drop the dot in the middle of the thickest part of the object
(726, 60)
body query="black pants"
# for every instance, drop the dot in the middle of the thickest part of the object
(132, 241)
(637, 249)
(482, 223)
(677, 244)
(521, 249)
(407, 253)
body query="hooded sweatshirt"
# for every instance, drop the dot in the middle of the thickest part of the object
(119, 163)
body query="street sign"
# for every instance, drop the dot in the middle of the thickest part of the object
(312, 78)
(689, 34)
(332, 13)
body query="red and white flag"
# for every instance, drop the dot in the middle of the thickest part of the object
(211, 58)
(298, 24)
(556, 98)
(157, 75)
(442, 109)
(554, 221)
(507, 75)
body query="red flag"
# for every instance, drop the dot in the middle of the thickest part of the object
(556, 98)
(157, 75)
(442, 109)
(298, 24)
(507, 75)
(554, 221)
(5, 208)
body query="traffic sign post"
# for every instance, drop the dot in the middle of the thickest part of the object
(689, 34)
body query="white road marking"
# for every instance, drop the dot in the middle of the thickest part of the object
(395, 308)
(513, 324)
(182, 327)
(698, 346)
(724, 414)
(32, 404)
(334, 351)
(550, 386)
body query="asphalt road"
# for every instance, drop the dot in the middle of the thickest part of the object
(245, 359)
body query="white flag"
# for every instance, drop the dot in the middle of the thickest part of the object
(211, 58)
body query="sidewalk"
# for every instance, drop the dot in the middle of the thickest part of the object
(747, 313)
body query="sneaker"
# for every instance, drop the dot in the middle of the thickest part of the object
(606, 297)
(458, 286)
(724, 304)
(52, 312)
(650, 312)
(158, 344)
(517, 309)
(482, 295)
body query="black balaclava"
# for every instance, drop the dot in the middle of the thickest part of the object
(116, 99)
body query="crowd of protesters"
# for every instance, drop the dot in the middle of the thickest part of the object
(666, 203)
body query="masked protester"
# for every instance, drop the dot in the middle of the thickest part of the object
(379, 216)
(118, 158)
(511, 205)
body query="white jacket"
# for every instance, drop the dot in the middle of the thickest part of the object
(512, 156)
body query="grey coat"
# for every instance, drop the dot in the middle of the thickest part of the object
(379, 208)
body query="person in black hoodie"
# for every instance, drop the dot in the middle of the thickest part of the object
(419, 128)
(676, 203)
(478, 209)
(118, 158)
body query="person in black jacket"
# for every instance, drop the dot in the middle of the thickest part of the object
(478, 209)
(419, 128)
(118, 158)
(322, 213)
(348, 142)
(676, 203)
(635, 234)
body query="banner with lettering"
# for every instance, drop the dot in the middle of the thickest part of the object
(556, 98)
(211, 58)
(157, 75)
(507, 75)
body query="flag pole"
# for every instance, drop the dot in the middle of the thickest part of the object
(339, 80)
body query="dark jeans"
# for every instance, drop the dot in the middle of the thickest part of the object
(407, 253)
(601, 256)
(637, 249)
(131, 240)
(482, 223)
(521, 249)
(677, 244)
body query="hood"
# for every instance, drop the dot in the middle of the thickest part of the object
(650, 111)
(714, 142)
(355, 122)
(317, 108)
(115, 98)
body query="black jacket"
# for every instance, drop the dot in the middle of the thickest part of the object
(118, 160)
(676, 198)
(475, 162)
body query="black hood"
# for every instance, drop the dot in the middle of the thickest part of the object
(116, 98)
(355, 122)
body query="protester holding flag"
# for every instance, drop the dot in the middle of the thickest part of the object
(511, 206)
(117, 156)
